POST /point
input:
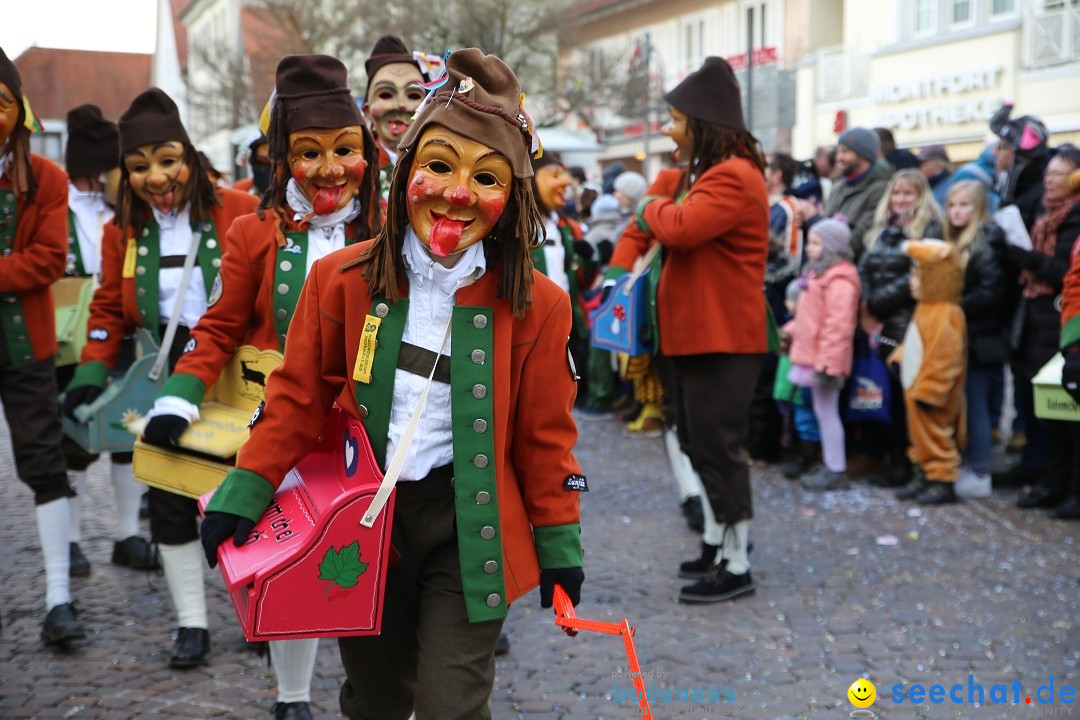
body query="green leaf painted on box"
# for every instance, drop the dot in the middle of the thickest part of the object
(342, 567)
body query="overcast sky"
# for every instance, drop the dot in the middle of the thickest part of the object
(117, 25)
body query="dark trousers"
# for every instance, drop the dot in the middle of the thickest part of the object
(33, 416)
(1062, 474)
(713, 395)
(429, 657)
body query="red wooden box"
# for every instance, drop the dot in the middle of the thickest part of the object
(310, 569)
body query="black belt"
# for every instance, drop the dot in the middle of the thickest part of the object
(418, 361)
(437, 482)
(174, 261)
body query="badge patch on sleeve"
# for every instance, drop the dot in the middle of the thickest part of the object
(257, 414)
(573, 365)
(98, 334)
(577, 483)
(215, 291)
(191, 344)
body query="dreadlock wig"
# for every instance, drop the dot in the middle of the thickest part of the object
(714, 143)
(133, 212)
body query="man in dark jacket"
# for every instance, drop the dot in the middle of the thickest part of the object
(865, 177)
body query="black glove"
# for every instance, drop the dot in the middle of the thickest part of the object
(1070, 374)
(164, 430)
(216, 529)
(570, 579)
(82, 395)
(605, 293)
(584, 249)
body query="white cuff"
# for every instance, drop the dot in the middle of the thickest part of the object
(173, 405)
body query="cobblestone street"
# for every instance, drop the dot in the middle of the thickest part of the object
(849, 584)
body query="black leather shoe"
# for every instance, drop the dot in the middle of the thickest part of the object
(1016, 476)
(914, 488)
(717, 586)
(291, 711)
(62, 625)
(1039, 497)
(699, 568)
(134, 552)
(502, 645)
(190, 649)
(695, 516)
(80, 566)
(1068, 510)
(937, 493)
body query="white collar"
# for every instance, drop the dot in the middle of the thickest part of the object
(84, 197)
(471, 264)
(301, 206)
(391, 153)
(176, 218)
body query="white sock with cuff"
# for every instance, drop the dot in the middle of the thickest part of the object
(294, 664)
(183, 566)
(53, 523)
(128, 493)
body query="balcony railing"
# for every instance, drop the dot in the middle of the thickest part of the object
(1051, 36)
(842, 74)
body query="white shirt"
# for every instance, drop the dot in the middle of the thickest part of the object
(176, 239)
(555, 254)
(432, 293)
(326, 233)
(91, 213)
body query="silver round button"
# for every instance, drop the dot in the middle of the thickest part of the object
(282, 289)
(141, 292)
(146, 232)
(483, 497)
(211, 244)
(286, 266)
(491, 566)
(382, 309)
(480, 461)
(479, 321)
(479, 391)
(17, 319)
(140, 270)
(206, 228)
(479, 425)
(144, 251)
(362, 409)
(493, 600)
(282, 314)
(216, 262)
(478, 356)
(487, 532)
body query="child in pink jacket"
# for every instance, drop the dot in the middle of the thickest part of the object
(822, 341)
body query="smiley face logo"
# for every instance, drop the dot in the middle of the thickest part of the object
(862, 693)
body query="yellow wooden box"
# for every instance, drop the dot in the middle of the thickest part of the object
(207, 449)
(1051, 400)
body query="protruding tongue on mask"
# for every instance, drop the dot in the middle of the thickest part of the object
(326, 200)
(445, 236)
(164, 202)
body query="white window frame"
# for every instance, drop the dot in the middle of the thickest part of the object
(951, 8)
(1004, 15)
(932, 28)
(693, 34)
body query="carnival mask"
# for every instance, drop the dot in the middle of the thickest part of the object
(158, 174)
(392, 100)
(328, 165)
(551, 184)
(458, 189)
(9, 113)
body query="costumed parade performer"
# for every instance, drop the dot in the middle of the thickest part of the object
(487, 504)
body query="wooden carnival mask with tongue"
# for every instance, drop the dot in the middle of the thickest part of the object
(9, 113)
(328, 165)
(158, 174)
(457, 190)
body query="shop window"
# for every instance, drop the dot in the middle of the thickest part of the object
(922, 18)
(961, 14)
(1002, 7)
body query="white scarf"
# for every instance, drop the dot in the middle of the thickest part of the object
(332, 225)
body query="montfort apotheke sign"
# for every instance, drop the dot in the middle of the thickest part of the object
(954, 98)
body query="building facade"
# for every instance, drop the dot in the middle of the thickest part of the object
(934, 71)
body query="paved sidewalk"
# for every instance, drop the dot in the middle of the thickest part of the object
(980, 588)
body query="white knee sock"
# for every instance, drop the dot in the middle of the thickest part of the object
(77, 478)
(680, 464)
(734, 548)
(294, 663)
(53, 523)
(183, 566)
(714, 531)
(128, 493)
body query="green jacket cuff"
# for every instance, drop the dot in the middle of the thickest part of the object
(558, 546)
(639, 216)
(91, 373)
(183, 385)
(614, 272)
(242, 493)
(1070, 333)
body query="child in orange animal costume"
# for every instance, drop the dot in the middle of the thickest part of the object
(933, 366)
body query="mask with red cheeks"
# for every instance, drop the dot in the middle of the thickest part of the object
(9, 113)
(328, 165)
(458, 189)
(158, 174)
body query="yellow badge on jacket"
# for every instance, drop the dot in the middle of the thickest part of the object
(365, 354)
(129, 259)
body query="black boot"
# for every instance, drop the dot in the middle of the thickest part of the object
(805, 459)
(62, 625)
(134, 552)
(693, 569)
(915, 487)
(291, 711)
(938, 493)
(1068, 510)
(190, 649)
(502, 645)
(695, 516)
(79, 565)
(717, 586)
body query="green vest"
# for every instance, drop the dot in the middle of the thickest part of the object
(572, 265)
(12, 319)
(75, 266)
(290, 272)
(472, 419)
(148, 267)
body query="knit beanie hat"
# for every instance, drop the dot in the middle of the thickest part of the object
(632, 185)
(836, 242)
(710, 93)
(93, 143)
(389, 49)
(863, 142)
(313, 92)
(152, 118)
(548, 158)
(480, 99)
